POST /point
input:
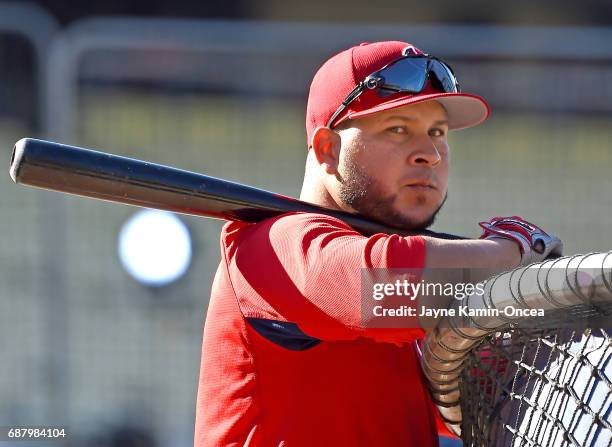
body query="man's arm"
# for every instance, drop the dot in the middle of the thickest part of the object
(495, 254)
(316, 263)
(506, 243)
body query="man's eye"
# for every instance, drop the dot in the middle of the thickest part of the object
(436, 132)
(397, 129)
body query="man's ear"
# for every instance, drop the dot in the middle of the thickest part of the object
(326, 146)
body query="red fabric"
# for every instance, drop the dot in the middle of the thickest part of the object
(357, 387)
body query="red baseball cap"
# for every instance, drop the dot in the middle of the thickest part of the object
(341, 73)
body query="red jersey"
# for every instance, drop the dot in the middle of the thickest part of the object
(286, 360)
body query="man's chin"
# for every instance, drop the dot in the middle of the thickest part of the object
(397, 213)
(416, 217)
(410, 222)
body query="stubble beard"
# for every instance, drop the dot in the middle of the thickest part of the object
(364, 194)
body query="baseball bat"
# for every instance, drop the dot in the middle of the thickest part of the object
(89, 173)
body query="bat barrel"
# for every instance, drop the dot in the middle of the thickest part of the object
(110, 177)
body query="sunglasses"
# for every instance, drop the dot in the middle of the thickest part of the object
(406, 75)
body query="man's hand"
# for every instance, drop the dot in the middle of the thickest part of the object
(535, 244)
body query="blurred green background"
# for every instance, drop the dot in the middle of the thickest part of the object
(82, 344)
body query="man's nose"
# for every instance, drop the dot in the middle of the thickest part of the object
(425, 152)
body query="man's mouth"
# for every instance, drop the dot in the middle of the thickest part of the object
(421, 185)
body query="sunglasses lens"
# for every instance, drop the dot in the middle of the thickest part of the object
(406, 75)
(444, 76)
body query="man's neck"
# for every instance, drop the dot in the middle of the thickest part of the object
(316, 193)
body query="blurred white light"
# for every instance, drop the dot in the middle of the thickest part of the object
(155, 247)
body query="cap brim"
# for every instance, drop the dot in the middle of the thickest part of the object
(463, 109)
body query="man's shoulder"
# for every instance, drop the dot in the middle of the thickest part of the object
(287, 232)
(289, 222)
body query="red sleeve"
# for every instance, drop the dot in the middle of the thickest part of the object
(306, 268)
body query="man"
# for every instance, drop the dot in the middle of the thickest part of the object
(287, 359)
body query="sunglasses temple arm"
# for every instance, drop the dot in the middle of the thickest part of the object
(349, 99)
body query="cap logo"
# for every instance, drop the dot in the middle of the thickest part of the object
(410, 51)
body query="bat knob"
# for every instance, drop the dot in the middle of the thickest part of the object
(17, 157)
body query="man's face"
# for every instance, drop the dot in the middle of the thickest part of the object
(394, 165)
